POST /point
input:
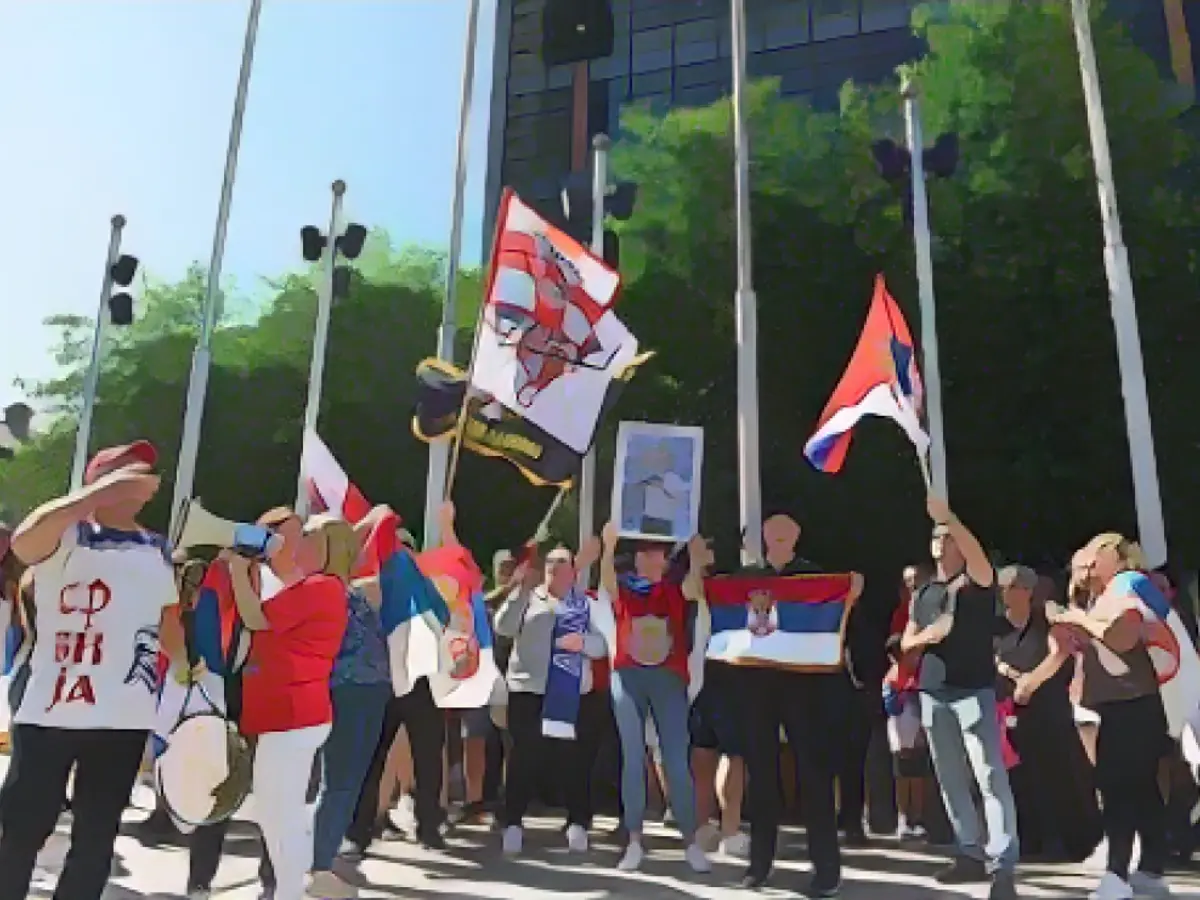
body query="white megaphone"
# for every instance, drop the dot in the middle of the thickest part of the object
(200, 528)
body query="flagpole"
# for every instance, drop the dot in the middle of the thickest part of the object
(935, 467)
(193, 416)
(438, 476)
(316, 366)
(92, 380)
(1151, 528)
(587, 470)
(746, 309)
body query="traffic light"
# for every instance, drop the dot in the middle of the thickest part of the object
(351, 243)
(612, 248)
(312, 243)
(341, 282)
(576, 31)
(120, 305)
(619, 202)
(895, 165)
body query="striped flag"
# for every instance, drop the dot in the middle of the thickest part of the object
(329, 488)
(787, 622)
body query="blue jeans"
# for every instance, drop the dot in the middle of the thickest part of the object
(663, 695)
(357, 724)
(961, 720)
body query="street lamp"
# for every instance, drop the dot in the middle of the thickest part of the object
(335, 284)
(115, 309)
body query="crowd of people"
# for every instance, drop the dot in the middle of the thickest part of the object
(1028, 727)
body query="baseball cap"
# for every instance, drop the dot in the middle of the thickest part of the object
(1018, 577)
(139, 451)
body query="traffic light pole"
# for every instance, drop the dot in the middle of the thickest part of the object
(193, 415)
(587, 470)
(92, 379)
(316, 370)
(439, 451)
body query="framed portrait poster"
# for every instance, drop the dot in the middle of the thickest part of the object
(656, 485)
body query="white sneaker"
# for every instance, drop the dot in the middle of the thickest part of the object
(736, 845)
(1112, 887)
(1150, 887)
(708, 836)
(631, 860)
(697, 858)
(406, 813)
(577, 839)
(514, 837)
(328, 886)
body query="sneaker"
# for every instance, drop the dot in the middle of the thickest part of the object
(1112, 887)
(327, 886)
(352, 852)
(1004, 886)
(736, 845)
(753, 880)
(514, 837)
(631, 859)
(406, 813)
(708, 836)
(577, 839)
(469, 814)
(963, 870)
(431, 840)
(819, 888)
(697, 858)
(1149, 887)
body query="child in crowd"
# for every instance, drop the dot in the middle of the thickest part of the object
(906, 740)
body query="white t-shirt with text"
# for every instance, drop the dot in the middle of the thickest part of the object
(99, 600)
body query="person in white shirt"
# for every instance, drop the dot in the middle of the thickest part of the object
(102, 589)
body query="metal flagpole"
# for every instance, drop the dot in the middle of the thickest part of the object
(1151, 528)
(922, 243)
(193, 416)
(439, 451)
(601, 144)
(316, 367)
(746, 306)
(92, 380)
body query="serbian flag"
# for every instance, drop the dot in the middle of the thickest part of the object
(329, 488)
(461, 660)
(549, 345)
(793, 622)
(881, 380)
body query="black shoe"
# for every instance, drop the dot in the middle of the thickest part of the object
(1004, 887)
(963, 870)
(431, 840)
(753, 880)
(819, 887)
(856, 838)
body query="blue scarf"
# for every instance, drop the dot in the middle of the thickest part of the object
(560, 706)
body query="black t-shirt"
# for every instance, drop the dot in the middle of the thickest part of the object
(964, 658)
(1025, 649)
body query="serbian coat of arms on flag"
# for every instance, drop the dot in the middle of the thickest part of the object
(549, 344)
(786, 622)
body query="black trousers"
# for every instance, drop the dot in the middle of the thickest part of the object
(426, 728)
(106, 764)
(571, 762)
(851, 777)
(1133, 737)
(811, 710)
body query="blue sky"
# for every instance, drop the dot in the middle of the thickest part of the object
(124, 106)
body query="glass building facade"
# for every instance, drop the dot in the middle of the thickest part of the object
(677, 52)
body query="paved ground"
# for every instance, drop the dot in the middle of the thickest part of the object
(474, 869)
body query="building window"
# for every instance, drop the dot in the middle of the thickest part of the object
(785, 26)
(651, 50)
(652, 83)
(881, 15)
(695, 42)
(834, 19)
(698, 95)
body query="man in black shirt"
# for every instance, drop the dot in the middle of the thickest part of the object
(952, 622)
(810, 707)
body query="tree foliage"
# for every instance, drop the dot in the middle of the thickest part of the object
(1035, 430)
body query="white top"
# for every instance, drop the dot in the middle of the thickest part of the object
(663, 498)
(99, 600)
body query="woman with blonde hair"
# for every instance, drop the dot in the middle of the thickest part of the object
(1110, 627)
(297, 628)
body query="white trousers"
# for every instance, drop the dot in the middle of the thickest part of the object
(283, 762)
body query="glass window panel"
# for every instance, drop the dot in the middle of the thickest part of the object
(651, 50)
(533, 82)
(702, 73)
(880, 15)
(834, 18)
(785, 26)
(652, 83)
(695, 41)
(698, 95)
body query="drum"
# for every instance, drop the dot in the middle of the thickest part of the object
(204, 773)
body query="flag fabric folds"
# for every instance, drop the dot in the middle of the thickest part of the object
(793, 622)
(329, 488)
(494, 430)
(548, 344)
(216, 633)
(881, 379)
